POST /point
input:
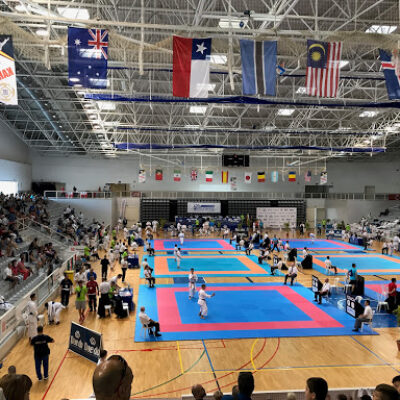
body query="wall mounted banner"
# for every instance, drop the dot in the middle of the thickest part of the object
(8, 81)
(142, 176)
(85, 342)
(277, 217)
(203, 208)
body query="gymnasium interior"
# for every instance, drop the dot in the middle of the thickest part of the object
(236, 162)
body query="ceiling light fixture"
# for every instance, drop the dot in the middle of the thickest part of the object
(382, 29)
(285, 112)
(198, 109)
(368, 114)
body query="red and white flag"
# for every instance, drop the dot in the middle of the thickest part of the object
(323, 68)
(191, 67)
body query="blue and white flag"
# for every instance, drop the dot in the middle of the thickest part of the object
(391, 77)
(274, 176)
(87, 57)
(259, 61)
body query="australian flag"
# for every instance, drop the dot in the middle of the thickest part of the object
(391, 78)
(87, 57)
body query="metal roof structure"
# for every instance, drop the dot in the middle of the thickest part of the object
(55, 118)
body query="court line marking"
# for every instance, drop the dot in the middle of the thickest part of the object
(54, 377)
(373, 353)
(211, 365)
(179, 356)
(251, 354)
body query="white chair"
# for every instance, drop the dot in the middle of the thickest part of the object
(369, 323)
(125, 306)
(107, 308)
(335, 285)
(381, 301)
(145, 327)
(41, 320)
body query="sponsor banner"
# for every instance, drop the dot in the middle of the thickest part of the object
(277, 217)
(204, 208)
(85, 342)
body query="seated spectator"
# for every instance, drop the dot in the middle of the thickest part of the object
(324, 292)
(246, 385)
(198, 392)
(112, 379)
(146, 320)
(396, 382)
(385, 392)
(148, 275)
(291, 396)
(316, 389)
(218, 395)
(16, 387)
(10, 277)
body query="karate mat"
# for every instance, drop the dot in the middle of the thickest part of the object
(367, 264)
(242, 311)
(209, 266)
(372, 288)
(193, 244)
(320, 244)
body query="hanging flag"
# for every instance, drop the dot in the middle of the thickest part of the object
(280, 69)
(159, 175)
(209, 176)
(193, 175)
(191, 67)
(323, 68)
(274, 176)
(259, 63)
(233, 183)
(391, 77)
(261, 176)
(177, 175)
(292, 176)
(247, 177)
(87, 57)
(324, 178)
(8, 80)
(307, 176)
(142, 176)
(224, 176)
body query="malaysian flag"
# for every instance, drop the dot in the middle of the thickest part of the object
(87, 57)
(323, 68)
(391, 75)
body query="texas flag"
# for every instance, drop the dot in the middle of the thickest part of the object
(191, 67)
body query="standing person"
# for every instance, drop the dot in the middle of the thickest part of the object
(181, 237)
(93, 292)
(275, 242)
(302, 226)
(41, 353)
(32, 312)
(202, 302)
(391, 248)
(178, 258)
(366, 316)
(66, 285)
(80, 302)
(54, 309)
(192, 283)
(175, 251)
(292, 274)
(352, 275)
(104, 288)
(124, 267)
(392, 295)
(104, 266)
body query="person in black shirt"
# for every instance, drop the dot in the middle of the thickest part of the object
(41, 353)
(66, 285)
(104, 267)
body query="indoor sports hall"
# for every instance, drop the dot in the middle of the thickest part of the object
(199, 199)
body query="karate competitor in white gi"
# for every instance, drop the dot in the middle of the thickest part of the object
(192, 283)
(178, 257)
(181, 237)
(31, 310)
(53, 311)
(202, 302)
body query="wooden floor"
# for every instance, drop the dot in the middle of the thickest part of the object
(169, 369)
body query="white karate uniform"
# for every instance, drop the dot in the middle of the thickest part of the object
(181, 238)
(32, 312)
(192, 285)
(178, 258)
(312, 237)
(54, 310)
(203, 303)
(175, 251)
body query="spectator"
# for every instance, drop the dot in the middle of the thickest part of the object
(246, 385)
(146, 320)
(316, 389)
(198, 392)
(93, 292)
(41, 353)
(80, 302)
(396, 382)
(218, 395)
(16, 387)
(366, 316)
(104, 266)
(103, 357)
(291, 396)
(112, 379)
(385, 392)
(66, 286)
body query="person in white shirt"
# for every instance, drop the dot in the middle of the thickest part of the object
(175, 251)
(385, 248)
(225, 235)
(305, 252)
(181, 238)
(325, 290)
(145, 320)
(202, 302)
(292, 274)
(329, 266)
(114, 279)
(396, 242)
(287, 246)
(390, 248)
(148, 276)
(312, 237)
(54, 309)
(32, 311)
(178, 258)
(10, 277)
(145, 263)
(81, 276)
(192, 283)
(366, 316)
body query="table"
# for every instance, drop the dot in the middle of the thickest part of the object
(133, 262)
(127, 297)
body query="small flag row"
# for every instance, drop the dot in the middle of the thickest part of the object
(248, 176)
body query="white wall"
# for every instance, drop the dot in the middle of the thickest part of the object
(15, 159)
(101, 209)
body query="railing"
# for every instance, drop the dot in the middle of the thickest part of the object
(12, 322)
(58, 194)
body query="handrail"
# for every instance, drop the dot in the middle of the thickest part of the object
(59, 194)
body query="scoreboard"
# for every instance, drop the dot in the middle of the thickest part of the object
(235, 160)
